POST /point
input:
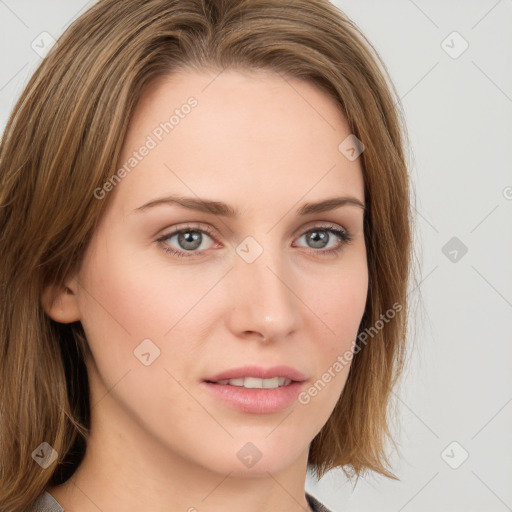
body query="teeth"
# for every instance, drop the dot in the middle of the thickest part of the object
(253, 382)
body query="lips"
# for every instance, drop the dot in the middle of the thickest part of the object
(256, 399)
(259, 372)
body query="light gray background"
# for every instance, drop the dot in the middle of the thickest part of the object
(458, 387)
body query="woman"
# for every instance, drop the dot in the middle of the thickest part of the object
(206, 249)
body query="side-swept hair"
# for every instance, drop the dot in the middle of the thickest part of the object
(63, 141)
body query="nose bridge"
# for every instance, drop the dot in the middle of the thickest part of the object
(265, 302)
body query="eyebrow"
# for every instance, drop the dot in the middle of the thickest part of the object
(224, 210)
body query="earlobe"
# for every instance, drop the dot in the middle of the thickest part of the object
(60, 303)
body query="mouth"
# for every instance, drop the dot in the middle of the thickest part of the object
(253, 389)
(254, 383)
(252, 376)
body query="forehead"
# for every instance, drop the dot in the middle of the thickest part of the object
(249, 134)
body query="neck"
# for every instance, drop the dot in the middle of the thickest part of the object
(127, 469)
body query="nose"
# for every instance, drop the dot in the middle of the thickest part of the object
(263, 300)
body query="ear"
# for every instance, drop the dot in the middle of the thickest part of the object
(60, 303)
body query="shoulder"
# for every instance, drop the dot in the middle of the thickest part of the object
(46, 503)
(315, 504)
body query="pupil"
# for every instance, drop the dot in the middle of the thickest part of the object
(190, 240)
(318, 238)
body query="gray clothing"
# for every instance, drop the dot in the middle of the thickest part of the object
(47, 503)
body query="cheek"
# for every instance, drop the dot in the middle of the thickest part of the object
(125, 283)
(339, 303)
(129, 299)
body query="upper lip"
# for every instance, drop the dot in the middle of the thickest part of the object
(259, 372)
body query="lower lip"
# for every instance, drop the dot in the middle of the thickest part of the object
(260, 401)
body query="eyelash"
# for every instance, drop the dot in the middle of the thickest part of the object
(344, 236)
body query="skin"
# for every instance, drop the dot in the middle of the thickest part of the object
(265, 146)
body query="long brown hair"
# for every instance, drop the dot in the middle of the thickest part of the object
(63, 141)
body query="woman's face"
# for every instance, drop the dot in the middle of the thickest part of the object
(265, 286)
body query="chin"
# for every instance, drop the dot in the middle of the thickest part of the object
(256, 458)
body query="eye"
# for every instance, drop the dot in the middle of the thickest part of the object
(320, 237)
(190, 240)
